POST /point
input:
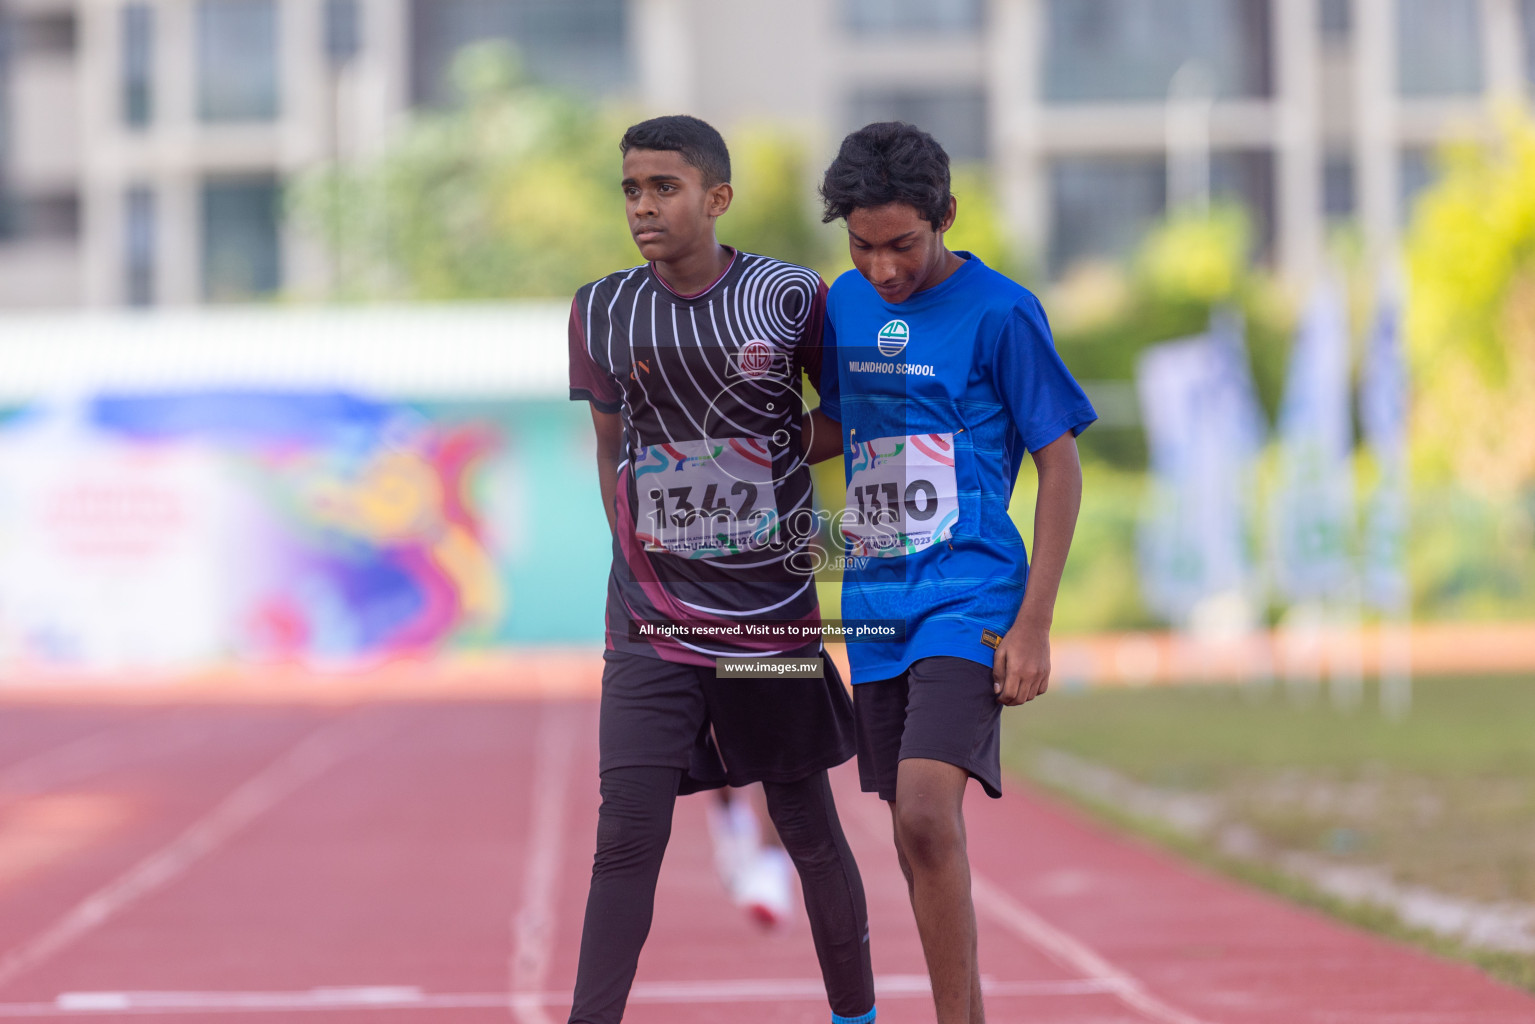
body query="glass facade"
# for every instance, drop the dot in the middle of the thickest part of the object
(577, 44)
(1417, 172)
(343, 30)
(7, 224)
(882, 16)
(1102, 206)
(1128, 50)
(237, 60)
(1336, 18)
(1527, 23)
(138, 58)
(1439, 47)
(956, 118)
(1338, 186)
(139, 232)
(241, 250)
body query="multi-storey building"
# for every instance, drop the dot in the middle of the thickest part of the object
(143, 143)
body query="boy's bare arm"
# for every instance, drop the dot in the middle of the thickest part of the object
(822, 436)
(610, 452)
(1021, 670)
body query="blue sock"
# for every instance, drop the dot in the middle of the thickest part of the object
(867, 1018)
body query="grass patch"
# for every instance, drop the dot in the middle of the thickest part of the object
(1444, 798)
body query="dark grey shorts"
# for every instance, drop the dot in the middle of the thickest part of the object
(940, 708)
(661, 714)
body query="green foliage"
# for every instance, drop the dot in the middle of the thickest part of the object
(1195, 258)
(978, 221)
(1100, 588)
(773, 212)
(1471, 316)
(1187, 266)
(513, 193)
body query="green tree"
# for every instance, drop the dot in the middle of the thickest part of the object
(513, 193)
(1471, 314)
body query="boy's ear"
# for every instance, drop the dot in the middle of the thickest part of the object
(719, 197)
(948, 218)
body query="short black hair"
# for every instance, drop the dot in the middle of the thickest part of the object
(888, 162)
(697, 142)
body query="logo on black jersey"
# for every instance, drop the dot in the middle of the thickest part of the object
(892, 338)
(639, 364)
(755, 359)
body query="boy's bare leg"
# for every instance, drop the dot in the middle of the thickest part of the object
(928, 814)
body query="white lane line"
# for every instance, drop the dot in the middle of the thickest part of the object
(408, 997)
(533, 924)
(302, 762)
(992, 901)
(95, 753)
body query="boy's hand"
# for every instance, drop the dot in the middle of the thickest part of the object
(1021, 669)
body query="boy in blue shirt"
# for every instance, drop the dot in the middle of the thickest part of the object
(938, 374)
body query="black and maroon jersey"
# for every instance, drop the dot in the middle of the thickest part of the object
(713, 500)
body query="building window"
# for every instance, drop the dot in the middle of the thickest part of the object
(237, 73)
(343, 30)
(1416, 172)
(956, 118)
(1109, 50)
(241, 250)
(1102, 206)
(880, 16)
(1439, 47)
(40, 216)
(51, 34)
(6, 42)
(575, 44)
(1336, 18)
(139, 246)
(1527, 19)
(138, 28)
(1338, 187)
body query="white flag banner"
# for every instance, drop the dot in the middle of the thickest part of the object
(1204, 429)
(1312, 522)
(1383, 416)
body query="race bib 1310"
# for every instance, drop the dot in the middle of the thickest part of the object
(901, 495)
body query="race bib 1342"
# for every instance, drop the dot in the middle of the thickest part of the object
(704, 499)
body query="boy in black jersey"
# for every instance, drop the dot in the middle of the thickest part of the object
(691, 363)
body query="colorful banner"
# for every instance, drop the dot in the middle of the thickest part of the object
(1204, 429)
(1383, 416)
(179, 529)
(1312, 522)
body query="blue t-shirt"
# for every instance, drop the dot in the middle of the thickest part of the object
(962, 375)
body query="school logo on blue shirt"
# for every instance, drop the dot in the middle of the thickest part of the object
(892, 338)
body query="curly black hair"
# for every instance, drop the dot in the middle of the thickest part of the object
(888, 162)
(694, 140)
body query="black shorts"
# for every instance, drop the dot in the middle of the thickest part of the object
(660, 714)
(940, 708)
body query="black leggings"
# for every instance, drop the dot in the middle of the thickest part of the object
(633, 826)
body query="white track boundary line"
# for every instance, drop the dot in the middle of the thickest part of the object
(533, 925)
(301, 763)
(406, 997)
(84, 757)
(993, 902)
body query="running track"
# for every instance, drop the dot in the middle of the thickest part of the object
(412, 859)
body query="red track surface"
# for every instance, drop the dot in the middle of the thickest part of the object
(428, 861)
